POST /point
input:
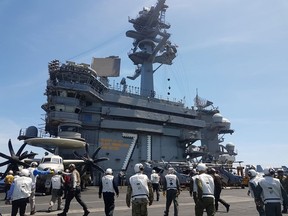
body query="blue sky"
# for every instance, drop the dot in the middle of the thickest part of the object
(235, 52)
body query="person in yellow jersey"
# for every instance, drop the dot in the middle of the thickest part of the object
(140, 191)
(8, 181)
(203, 189)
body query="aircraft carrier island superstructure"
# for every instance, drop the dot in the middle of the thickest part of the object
(131, 125)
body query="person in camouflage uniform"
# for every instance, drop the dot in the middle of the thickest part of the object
(140, 191)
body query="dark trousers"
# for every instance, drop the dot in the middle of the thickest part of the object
(6, 189)
(273, 209)
(70, 195)
(109, 201)
(171, 195)
(260, 210)
(205, 203)
(156, 189)
(65, 191)
(218, 199)
(19, 204)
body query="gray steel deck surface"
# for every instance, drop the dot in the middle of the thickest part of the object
(240, 204)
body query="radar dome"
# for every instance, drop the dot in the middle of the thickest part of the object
(226, 123)
(230, 147)
(217, 118)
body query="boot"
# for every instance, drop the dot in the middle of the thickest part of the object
(86, 212)
(227, 207)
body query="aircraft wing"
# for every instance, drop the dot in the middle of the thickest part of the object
(74, 161)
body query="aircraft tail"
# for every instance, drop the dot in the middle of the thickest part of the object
(259, 169)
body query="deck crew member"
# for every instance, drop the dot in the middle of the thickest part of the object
(253, 182)
(75, 191)
(57, 190)
(155, 180)
(193, 175)
(218, 189)
(271, 192)
(140, 191)
(34, 173)
(204, 189)
(67, 182)
(20, 192)
(108, 187)
(284, 181)
(171, 189)
(8, 181)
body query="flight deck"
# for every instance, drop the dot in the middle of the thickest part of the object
(240, 204)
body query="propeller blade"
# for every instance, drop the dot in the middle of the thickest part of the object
(21, 149)
(22, 164)
(100, 159)
(96, 152)
(79, 156)
(83, 170)
(24, 153)
(27, 156)
(5, 156)
(98, 168)
(4, 174)
(4, 163)
(11, 150)
(87, 149)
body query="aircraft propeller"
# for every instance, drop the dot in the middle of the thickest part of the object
(15, 160)
(90, 162)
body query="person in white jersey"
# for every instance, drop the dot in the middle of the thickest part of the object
(171, 189)
(108, 187)
(140, 191)
(34, 173)
(57, 182)
(155, 180)
(271, 192)
(204, 192)
(253, 182)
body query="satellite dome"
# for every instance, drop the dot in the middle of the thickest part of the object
(31, 132)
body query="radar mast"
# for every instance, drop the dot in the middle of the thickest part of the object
(151, 45)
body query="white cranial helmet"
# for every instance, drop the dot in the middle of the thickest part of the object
(34, 164)
(252, 173)
(201, 167)
(138, 167)
(171, 170)
(109, 171)
(269, 171)
(25, 172)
